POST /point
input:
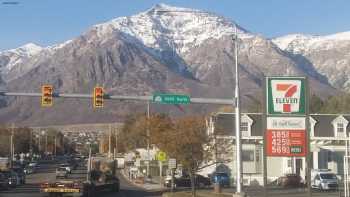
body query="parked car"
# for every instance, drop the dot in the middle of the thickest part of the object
(185, 181)
(67, 167)
(33, 164)
(290, 180)
(20, 174)
(324, 179)
(222, 178)
(29, 170)
(4, 183)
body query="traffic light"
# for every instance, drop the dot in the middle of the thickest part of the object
(46, 96)
(98, 97)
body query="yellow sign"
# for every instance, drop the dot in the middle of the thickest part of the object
(161, 156)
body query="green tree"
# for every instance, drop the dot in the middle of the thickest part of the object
(316, 104)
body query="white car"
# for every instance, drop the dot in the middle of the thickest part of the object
(324, 179)
(67, 167)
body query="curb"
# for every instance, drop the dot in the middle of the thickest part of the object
(139, 185)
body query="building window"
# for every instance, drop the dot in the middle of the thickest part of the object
(245, 129)
(340, 130)
(248, 155)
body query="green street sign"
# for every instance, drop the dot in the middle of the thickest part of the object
(285, 95)
(171, 98)
(161, 156)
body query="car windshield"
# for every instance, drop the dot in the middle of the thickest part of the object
(328, 176)
(61, 169)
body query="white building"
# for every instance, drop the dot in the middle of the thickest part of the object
(328, 133)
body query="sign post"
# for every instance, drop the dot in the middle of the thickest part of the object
(286, 120)
(161, 157)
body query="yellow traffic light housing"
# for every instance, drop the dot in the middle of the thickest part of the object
(98, 97)
(46, 96)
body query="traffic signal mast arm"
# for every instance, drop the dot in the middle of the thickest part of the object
(118, 97)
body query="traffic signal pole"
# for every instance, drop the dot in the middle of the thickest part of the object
(118, 97)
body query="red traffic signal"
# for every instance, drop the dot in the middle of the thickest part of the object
(98, 97)
(46, 96)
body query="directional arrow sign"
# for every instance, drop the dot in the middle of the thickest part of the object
(171, 98)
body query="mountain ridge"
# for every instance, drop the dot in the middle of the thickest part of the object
(188, 52)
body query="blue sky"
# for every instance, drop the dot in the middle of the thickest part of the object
(47, 22)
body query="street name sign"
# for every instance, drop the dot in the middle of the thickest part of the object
(171, 98)
(285, 95)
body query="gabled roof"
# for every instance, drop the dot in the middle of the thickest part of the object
(324, 126)
(224, 124)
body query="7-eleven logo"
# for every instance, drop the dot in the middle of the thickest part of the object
(286, 95)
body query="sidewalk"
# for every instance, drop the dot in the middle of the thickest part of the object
(148, 184)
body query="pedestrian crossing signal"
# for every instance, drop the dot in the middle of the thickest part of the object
(46, 96)
(98, 97)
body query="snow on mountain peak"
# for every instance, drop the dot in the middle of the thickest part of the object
(299, 43)
(18, 55)
(27, 50)
(165, 27)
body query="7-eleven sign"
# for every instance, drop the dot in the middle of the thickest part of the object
(285, 95)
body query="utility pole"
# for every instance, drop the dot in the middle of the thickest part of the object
(11, 145)
(109, 141)
(46, 144)
(116, 141)
(237, 120)
(148, 140)
(39, 143)
(55, 148)
(89, 165)
(30, 142)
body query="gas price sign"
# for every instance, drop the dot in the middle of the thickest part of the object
(286, 136)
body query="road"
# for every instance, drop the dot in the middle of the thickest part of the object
(46, 173)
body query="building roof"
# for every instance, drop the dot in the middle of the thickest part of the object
(224, 124)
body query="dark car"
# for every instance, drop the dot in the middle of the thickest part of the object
(4, 183)
(222, 178)
(289, 180)
(11, 177)
(185, 181)
(21, 175)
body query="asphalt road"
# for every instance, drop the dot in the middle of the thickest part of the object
(46, 173)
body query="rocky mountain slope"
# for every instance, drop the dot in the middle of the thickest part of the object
(329, 55)
(166, 49)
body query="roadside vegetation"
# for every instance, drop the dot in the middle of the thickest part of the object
(184, 139)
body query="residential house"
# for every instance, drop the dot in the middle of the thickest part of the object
(328, 133)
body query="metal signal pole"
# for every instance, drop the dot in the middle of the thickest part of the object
(237, 120)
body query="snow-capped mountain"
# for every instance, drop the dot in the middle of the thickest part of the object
(164, 49)
(169, 33)
(12, 57)
(327, 54)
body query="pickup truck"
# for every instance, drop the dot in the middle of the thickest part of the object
(59, 188)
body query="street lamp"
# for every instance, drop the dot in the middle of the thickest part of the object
(237, 120)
